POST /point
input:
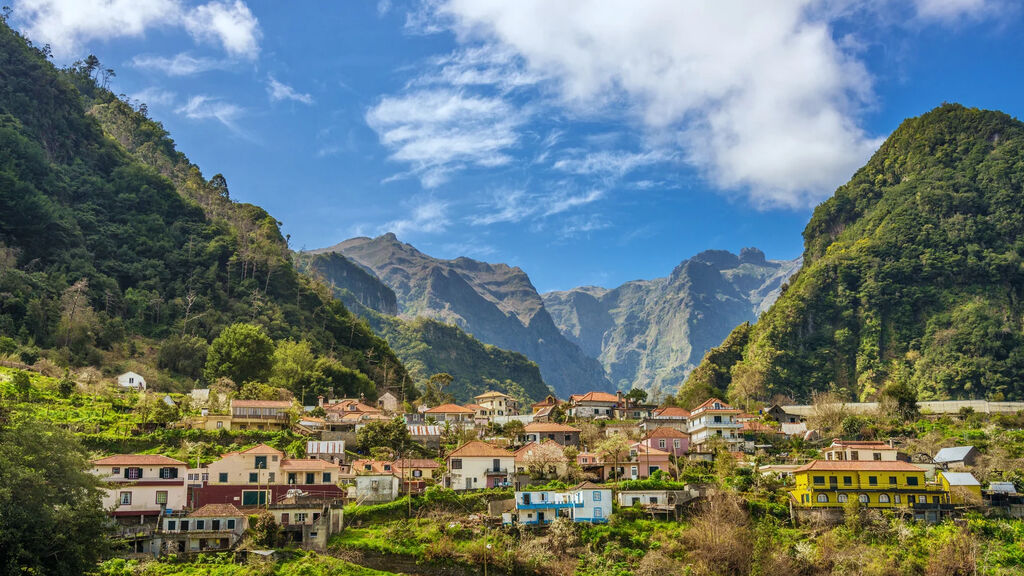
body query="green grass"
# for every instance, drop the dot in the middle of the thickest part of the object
(304, 564)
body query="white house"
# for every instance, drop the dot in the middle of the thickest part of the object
(476, 465)
(131, 380)
(375, 488)
(141, 484)
(586, 502)
(594, 405)
(713, 419)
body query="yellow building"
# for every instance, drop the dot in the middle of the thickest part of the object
(963, 487)
(876, 484)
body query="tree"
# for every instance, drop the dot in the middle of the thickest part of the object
(513, 430)
(637, 396)
(899, 398)
(263, 530)
(392, 434)
(51, 511)
(185, 355)
(22, 384)
(66, 386)
(242, 352)
(433, 390)
(613, 449)
(294, 364)
(542, 460)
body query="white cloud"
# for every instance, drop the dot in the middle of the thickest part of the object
(513, 206)
(69, 25)
(611, 163)
(204, 107)
(426, 216)
(953, 10)
(230, 24)
(181, 64)
(279, 91)
(154, 96)
(582, 225)
(437, 131)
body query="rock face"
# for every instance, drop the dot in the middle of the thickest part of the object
(353, 284)
(495, 303)
(651, 333)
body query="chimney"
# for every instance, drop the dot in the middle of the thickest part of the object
(618, 396)
(320, 401)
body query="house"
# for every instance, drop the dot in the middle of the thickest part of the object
(213, 527)
(427, 436)
(630, 411)
(307, 519)
(549, 402)
(594, 405)
(271, 415)
(131, 380)
(544, 414)
(668, 440)
(713, 419)
(667, 416)
(875, 483)
(963, 487)
(777, 413)
(497, 404)
(416, 472)
(479, 413)
(388, 402)
(476, 465)
(667, 503)
(262, 475)
(956, 457)
(586, 502)
(752, 430)
(862, 450)
(778, 470)
(374, 488)
(540, 460)
(639, 462)
(562, 433)
(141, 484)
(452, 413)
(329, 450)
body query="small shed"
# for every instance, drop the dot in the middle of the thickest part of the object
(131, 380)
(956, 456)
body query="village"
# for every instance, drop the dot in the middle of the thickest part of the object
(583, 459)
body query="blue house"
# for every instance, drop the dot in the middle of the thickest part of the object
(586, 502)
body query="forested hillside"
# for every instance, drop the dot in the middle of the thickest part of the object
(110, 239)
(913, 276)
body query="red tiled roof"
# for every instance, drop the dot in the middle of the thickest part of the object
(449, 409)
(217, 511)
(375, 466)
(529, 446)
(861, 444)
(758, 427)
(477, 448)
(235, 403)
(137, 460)
(475, 407)
(307, 464)
(549, 427)
(672, 412)
(416, 463)
(261, 449)
(873, 465)
(708, 404)
(666, 432)
(596, 397)
(491, 394)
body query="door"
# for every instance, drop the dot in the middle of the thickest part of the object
(540, 517)
(284, 518)
(469, 483)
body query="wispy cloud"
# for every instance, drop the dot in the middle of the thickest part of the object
(610, 163)
(426, 216)
(579, 225)
(154, 96)
(279, 91)
(512, 206)
(204, 107)
(181, 64)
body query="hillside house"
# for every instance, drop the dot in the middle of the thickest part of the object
(963, 487)
(668, 440)
(956, 457)
(141, 484)
(548, 402)
(497, 404)
(562, 433)
(594, 405)
(586, 502)
(639, 462)
(270, 415)
(667, 416)
(373, 488)
(451, 413)
(855, 450)
(132, 381)
(329, 450)
(476, 465)
(262, 475)
(778, 414)
(214, 527)
(389, 403)
(716, 420)
(543, 460)
(416, 469)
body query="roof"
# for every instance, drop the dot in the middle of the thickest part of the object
(545, 411)
(325, 447)
(1002, 487)
(874, 465)
(375, 466)
(477, 448)
(549, 401)
(137, 460)
(960, 478)
(416, 463)
(530, 446)
(646, 451)
(217, 510)
(261, 449)
(590, 486)
(860, 444)
(491, 394)
(666, 432)
(671, 412)
(758, 427)
(235, 403)
(450, 409)
(708, 406)
(424, 430)
(475, 407)
(307, 464)
(595, 397)
(549, 427)
(350, 405)
(954, 454)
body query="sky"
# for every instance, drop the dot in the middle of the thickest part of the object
(589, 143)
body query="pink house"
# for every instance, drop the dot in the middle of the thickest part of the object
(668, 440)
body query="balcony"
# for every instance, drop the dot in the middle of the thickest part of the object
(266, 417)
(496, 472)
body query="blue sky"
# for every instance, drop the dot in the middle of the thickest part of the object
(588, 143)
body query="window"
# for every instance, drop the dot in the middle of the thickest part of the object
(654, 499)
(883, 499)
(200, 524)
(172, 525)
(661, 443)
(675, 443)
(291, 478)
(387, 467)
(496, 464)
(231, 523)
(848, 480)
(896, 498)
(222, 477)
(115, 470)
(220, 424)
(921, 499)
(417, 473)
(877, 456)
(270, 477)
(832, 480)
(254, 477)
(126, 498)
(854, 455)
(911, 480)
(133, 473)
(327, 477)
(822, 498)
(168, 473)
(598, 512)
(873, 480)
(718, 419)
(300, 516)
(597, 495)
(254, 497)
(892, 480)
(161, 497)
(863, 499)
(184, 525)
(214, 524)
(819, 479)
(261, 462)
(456, 463)
(842, 498)
(310, 478)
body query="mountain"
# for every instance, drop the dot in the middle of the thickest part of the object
(110, 237)
(651, 333)
(426, 346)
(495, 303)
(913, 276)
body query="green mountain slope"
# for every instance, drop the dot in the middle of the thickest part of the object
(913, 273)
(108, 233)
(650, 333)
(427, 346)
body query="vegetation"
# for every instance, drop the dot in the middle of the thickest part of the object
(913, 275)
